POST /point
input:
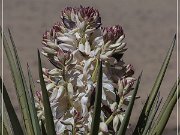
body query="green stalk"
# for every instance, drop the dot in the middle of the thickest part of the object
(97, 104)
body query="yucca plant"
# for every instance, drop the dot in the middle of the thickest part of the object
(90, 90)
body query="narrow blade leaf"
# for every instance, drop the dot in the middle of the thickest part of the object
(19, 85)
(166, 114)
(150, 100)
(11, 112)
(4, 130)
(43, 130)
(152, 115)
(97, 104)
(34, 117)
(48, 113)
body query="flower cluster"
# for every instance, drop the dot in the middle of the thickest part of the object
(74, 46)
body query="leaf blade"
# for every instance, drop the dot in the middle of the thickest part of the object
(35, 120)
(16, 126)
(48, 113)
(150, 100)
(166, 114)
(18, 82)
(97, 104)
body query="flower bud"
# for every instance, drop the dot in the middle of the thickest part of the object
(112, 33)
(103, 127)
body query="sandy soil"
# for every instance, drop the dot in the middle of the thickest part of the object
(149, 27)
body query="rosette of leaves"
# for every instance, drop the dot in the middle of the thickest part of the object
(89, 89)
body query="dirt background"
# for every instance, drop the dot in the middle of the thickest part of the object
(149, 27)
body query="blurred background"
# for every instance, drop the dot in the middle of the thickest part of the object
(149, 27)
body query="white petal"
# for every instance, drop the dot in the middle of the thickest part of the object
(120, 39)
(98, 41)
(69, 121)
(66, 47)
(112, 46)
(53, 95)
(103, 95)
(73, 16)
(113, 106)
(108, 53)
(66, 39)
(61, 92)
(54, 72)
(115, 123)
(77, 35)
(84, 101)
(89, 31)
(87, 48)
(49, 50)
(87, 64)
(81, 25)
(121, 117)
(79, 82)
(50, 86)
(103, 127)
(59, 127)
(70, 90)
(103, 57)
(121, 46)
(108, 86)
(81, 47)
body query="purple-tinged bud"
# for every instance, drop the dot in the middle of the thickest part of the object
(112, 33)
(57, 27)
(38, 95)
(67, 12)
(68, 17)
(91, 15)
(71, 17)
(129, 70)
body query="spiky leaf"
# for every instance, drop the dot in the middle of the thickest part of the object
(35, 120)
(11, 112)
(97, 104)
(48, 113)
(150, 100)
(19, 85)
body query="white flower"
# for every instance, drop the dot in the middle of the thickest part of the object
(74, 47)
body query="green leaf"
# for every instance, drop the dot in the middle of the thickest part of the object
(11, 112)
(19, 85)
(43, 128)
(6, 121)
(166, 114)
(48, 113)
(125, 121)
(170, 96)
(152, 115)
(34, 117)
(97, 104)
(150, 100)
(4, 131)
